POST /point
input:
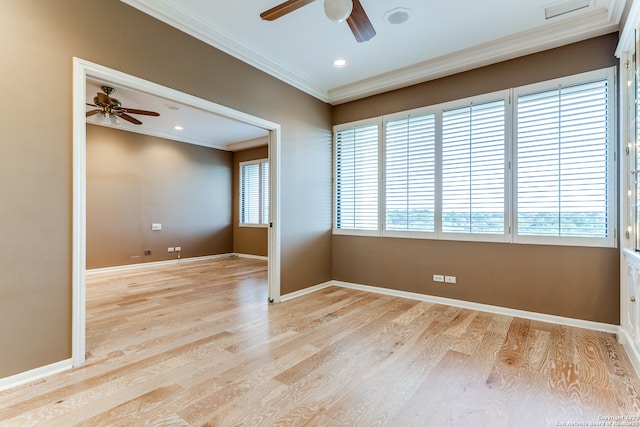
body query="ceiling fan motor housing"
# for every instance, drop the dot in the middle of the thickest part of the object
(114, 102)
(338, 10)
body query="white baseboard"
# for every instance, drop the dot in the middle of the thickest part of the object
(172, 261)
(306, 291)
(260, 257)
(632, 350)
(34, 374)
(157, 263)
(548, 318)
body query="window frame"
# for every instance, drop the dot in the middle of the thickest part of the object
(347, 126)
(510, 234)
(612, 175)
(262, 194)
(504, 237)
(410, 234)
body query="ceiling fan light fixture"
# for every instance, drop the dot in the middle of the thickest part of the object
(100, 118)
(338, 10)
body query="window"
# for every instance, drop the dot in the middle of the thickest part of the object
(410, 153)
(254, 192)
(356, 185)
(533, 164)
(473, 169)
(563, 162)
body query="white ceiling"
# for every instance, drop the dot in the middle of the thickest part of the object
(199, 127)
(440, 38)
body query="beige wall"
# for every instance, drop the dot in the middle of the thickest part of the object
(36, 162)
(575, 282)
(247, 240)
(135, 180)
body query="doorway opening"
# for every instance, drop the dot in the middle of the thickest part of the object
(83, 70)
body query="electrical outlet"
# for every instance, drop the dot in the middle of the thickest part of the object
(438, 278)
(450, 279)
(178, 248)
(170, 249)
(156, 226)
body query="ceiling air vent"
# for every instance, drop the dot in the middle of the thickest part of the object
(561, 8)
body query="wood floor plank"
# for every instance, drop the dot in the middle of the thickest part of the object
(507, 366)
(536, 352)
(197, 343)
(589, 360)
(431, 403)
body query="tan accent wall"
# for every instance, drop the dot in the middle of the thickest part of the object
(575, 282)
(135, 180)
(247, 240)
(36, 161)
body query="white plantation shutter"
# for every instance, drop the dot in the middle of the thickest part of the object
(254, 192)
(250, 193)
(562, 162)
(410, 174)
(533, 164)
(357, 178)
(473, 169)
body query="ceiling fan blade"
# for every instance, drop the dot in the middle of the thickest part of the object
(360, 24)
(92, 112)
(283, 8)
(143, 112)
(93, 105)
(129, 118)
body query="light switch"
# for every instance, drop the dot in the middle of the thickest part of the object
(156, 226)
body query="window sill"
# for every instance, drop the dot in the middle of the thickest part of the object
(486, 238)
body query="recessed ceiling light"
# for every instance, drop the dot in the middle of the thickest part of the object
(178, 127)
(340, 63)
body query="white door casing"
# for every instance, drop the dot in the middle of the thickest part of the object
(83, 69)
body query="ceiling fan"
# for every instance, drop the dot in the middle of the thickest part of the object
(112, 107)
(336, 10)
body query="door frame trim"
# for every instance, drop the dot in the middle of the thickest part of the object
(83, 69)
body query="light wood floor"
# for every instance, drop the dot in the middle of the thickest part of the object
(197, 344)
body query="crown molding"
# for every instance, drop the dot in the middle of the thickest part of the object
(250, 143)
(165, 135)
(172, 14)
(562, 32)
(558, 33)
(627, 38)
